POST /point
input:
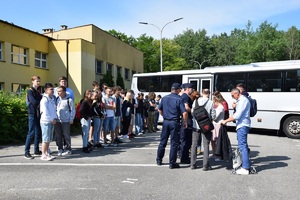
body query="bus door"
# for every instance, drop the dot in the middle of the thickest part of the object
(200, 83)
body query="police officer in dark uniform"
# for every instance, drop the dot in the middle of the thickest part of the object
(171, 108)
(186, 132)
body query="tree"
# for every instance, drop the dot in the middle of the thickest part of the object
(108, 79)
(147, 45)
(194, 46)
(123, 37)
(120, 81)
(292, 43)
(269, 43)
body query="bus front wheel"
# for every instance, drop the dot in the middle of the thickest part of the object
(291, 127)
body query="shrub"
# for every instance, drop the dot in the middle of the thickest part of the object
(13, 118)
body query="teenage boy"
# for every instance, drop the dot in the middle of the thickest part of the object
(48, 119)
(63, 81)
(109, 121)
(118, 111)
(65, 114)
(34, 130)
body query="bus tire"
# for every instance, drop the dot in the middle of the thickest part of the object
(291, 127)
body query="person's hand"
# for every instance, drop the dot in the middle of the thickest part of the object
(233, 105)
(223, 122)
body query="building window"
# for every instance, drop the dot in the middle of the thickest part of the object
(119, 70)
(1, 86)
(40, 60)
(1, 57)
(126, 74)
(109, 69)
(19, 55)
(19, 88)
(99, 67)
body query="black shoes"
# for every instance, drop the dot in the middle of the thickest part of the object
(159, 163)
(193, 167)
(207, 167)
(174, 166)
(28, 156)
(39, 153)
(185, 162)
(85, 150)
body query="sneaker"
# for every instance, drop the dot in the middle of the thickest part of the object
(218, 160)
(52, 157)
(126, 140)
(28, 156)
(46, 158)
(140, 134)
(39, 153)
(242, 171)
(67, 152)
(60, 152)
(105, 144)
(114, 144)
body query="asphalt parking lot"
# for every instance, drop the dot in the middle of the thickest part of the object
(129, 171)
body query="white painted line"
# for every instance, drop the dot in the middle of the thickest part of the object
(132, 179)
(78, 165)
(128, 182)
(46, 189)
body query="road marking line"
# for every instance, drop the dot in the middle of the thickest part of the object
(128, 182)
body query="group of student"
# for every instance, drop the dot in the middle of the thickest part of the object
(101, 112)
(115, 112)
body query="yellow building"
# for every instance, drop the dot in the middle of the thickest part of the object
(83, 54)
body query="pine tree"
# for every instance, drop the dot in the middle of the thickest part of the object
(120, 81)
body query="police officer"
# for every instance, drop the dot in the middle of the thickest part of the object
(171, 108)
(186, 132)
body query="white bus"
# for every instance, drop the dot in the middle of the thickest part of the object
(275, 86)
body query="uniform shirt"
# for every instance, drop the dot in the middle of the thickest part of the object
(188, 100)
(242, 113)
(172, 106)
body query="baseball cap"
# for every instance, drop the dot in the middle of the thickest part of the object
(187, 85)
(175, 86)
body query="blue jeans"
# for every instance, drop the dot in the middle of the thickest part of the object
(34, 131)
(85, 125)
(97, 127)
(242, 134)
(138, 123)
(109, 124)
(169, 128)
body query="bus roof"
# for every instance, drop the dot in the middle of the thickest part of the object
(258, 66)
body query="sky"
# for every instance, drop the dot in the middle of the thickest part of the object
(215, 16)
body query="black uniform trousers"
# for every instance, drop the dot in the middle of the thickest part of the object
(170, 128)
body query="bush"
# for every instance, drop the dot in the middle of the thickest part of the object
(13, 118)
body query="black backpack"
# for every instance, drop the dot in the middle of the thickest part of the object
(253, 106)
(202, 117)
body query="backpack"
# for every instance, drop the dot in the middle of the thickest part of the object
(202, 117)
(253, 106)
(78, 115)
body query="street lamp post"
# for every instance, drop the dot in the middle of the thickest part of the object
(200, 65)
(197, 63)
(160, 43)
